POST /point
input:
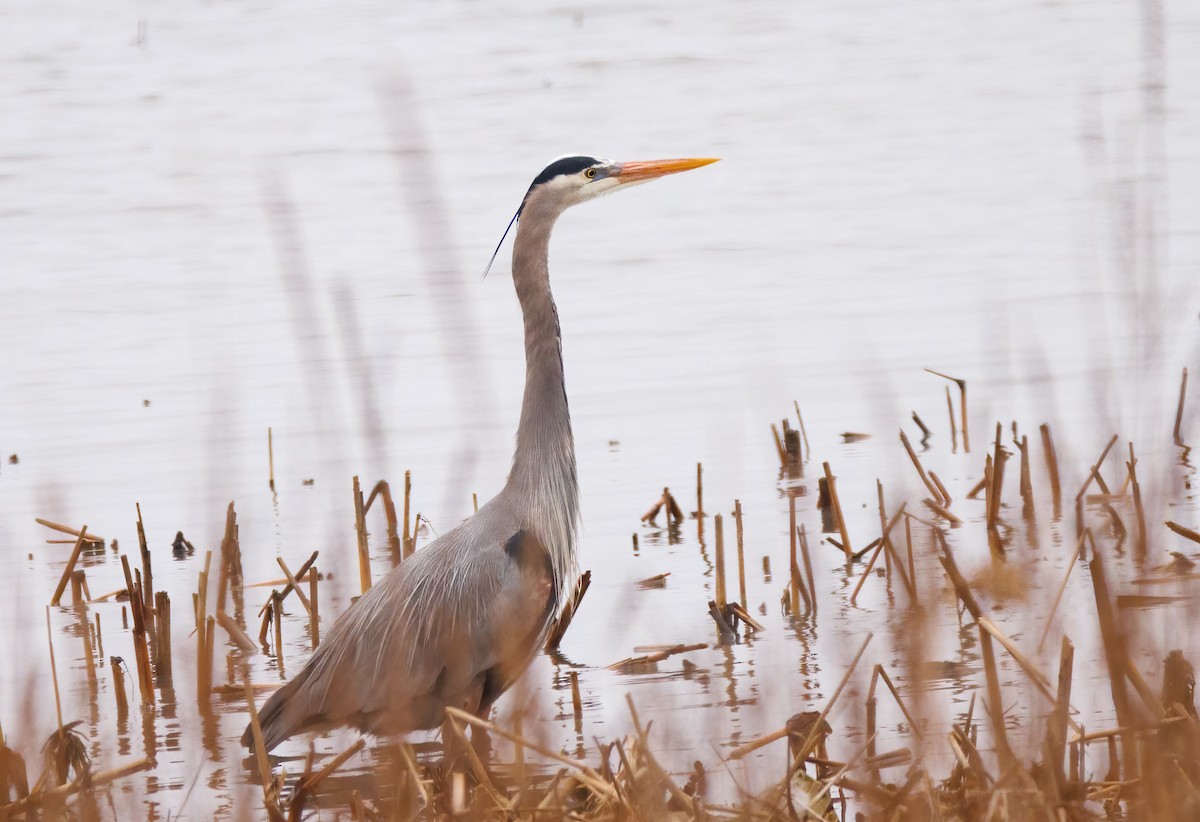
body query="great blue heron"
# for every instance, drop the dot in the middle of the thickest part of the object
(457, 623)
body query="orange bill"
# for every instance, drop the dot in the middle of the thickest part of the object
(650, 169)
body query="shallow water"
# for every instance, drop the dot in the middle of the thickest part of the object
(222, 218)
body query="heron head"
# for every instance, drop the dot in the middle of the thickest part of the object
(574, 179)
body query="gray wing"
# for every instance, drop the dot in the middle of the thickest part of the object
(454, 624)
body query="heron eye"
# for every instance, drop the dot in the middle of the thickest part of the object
(590, 173)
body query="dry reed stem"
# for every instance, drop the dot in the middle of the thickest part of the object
(384, 492)
(260, 748)
(54, 672)
(1094, 472)
(719, 561)
(1039, 679)
(699, 490)
(912, 723)
(946, 500)
(866, 572)
(962, 391)
(239, 637)
(1188, 533)
(584, 773)
(658, 656)
(744, 615)
(277, 620)
(66, 574)
(314, 617)
(741, 553)
(468, 750)
(140, 652)
(780, 450)
(1179, 408)
(360, 530)
(912, 455)
(1061, 588)
(289, 580)
(925, 432)
(293, 585)
(793, 568)
(66, 529)
(407, 541)
(953, 424)
(941, 512)
(1117, 659)
(1142, 536)
(831, 483)
(995, 704)
(683, 800)
(912, 568)
(576, 698)
(803, 433)
(768, 738)
(147, 574)
(270, 459)
(725, 632)
(808, 572)
(92, 780)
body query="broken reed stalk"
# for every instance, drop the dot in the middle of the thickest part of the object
(831, 483)
(803, 433)
(277, 614)
(1061, 588)
(925, 432)
(360, 529)
(162, 663)
(962, 401)
(953, 425)
(1179, 409)
(867, 572)
(946, 500)
(1052, 468)
(585, 774)
(270, 459)
(54, 672)
(793, 567)
(1117, 659)
(239, 636)
(147, 578)
(293, 585)
(1142, 536)
(308, 563)
(140, 651)
(1057, 731)
(260, 748)
(203, 638)
(741, 553)
(766, 739)
(229, 571)
(67, 529)
(699, 490)
(779, 447)
(1187, 533)
(808, 571)
(384, 492)
(407, 539)
(912, 455)
(66, 574)
(314, 618)
(119, 689)
(719, 561)
(576, 700)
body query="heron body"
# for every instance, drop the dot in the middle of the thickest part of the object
(456, 624)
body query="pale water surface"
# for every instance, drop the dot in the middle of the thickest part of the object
(220, 217)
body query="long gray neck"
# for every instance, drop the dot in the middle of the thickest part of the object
(543, 483)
